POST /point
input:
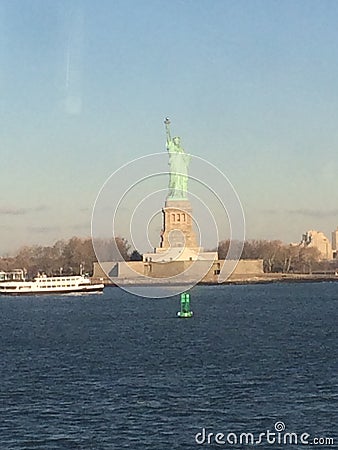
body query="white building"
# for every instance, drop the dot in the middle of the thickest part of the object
(335, 242)
(317, 239)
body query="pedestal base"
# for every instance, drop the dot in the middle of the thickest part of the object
(178, 225)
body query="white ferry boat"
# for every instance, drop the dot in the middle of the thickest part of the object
(50, 285)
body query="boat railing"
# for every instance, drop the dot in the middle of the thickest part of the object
(13, 275)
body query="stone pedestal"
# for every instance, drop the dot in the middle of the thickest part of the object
(177, 225)
(178, 237)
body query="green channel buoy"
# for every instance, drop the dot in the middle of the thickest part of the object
(185, 312)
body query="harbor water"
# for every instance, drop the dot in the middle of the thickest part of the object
(114, 371)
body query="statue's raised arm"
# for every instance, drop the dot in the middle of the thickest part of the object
(167, 129)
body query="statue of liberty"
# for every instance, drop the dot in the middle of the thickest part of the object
(178, 164)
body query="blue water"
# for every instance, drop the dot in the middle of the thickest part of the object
(116, 371)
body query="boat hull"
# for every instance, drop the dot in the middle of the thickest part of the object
(83, 290)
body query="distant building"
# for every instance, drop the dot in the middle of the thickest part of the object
(335, 242)
(317, 239)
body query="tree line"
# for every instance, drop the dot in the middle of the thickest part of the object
(67, 256)
(280, 257)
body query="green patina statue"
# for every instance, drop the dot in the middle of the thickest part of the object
(178, 163)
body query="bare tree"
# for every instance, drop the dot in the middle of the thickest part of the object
(66, 256)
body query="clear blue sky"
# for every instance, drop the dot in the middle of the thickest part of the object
(252, 86)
